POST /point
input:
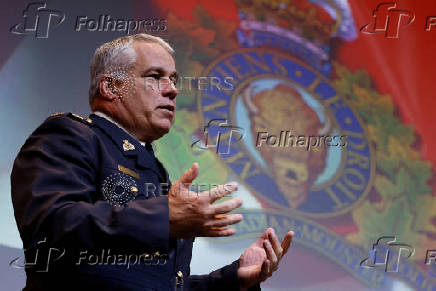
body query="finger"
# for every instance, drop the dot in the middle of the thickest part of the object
(274, 240)
(262, 238)
(264, 272)
(221, 221)
(226, 206)
(219, 232)
(189, 176)
(220, 191)
(287, 241)
(271, 255)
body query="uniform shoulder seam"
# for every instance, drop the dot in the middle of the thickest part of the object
(73, 116)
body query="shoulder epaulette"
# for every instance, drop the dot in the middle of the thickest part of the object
(74, 116)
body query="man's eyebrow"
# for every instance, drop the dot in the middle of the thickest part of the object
(160, 70)
(151, 69)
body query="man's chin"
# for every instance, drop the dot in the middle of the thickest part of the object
(162, 129)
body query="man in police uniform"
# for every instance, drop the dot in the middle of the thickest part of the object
(94, 206)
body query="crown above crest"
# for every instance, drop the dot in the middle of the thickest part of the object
(305, 28)
(303, 17)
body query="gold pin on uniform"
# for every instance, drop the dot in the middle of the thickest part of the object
(134, 190)
(57, 114)
(77, 116)
(128, 172)
(127, 146)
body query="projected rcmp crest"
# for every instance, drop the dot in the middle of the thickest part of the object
(277, 95)
(271, 79)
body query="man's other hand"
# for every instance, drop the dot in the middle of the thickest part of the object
(193, 214)
(262, 258)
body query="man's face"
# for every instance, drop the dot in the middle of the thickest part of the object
(148, 111)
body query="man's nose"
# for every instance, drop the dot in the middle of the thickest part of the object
(168, 88)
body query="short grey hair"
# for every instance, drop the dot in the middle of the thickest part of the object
(118, 54)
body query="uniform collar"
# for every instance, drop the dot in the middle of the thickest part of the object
(126, 143)
(148, 146)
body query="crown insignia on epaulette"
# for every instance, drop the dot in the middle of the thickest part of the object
(57, 114)
(80, 118)
(127, 146)
(77, 116)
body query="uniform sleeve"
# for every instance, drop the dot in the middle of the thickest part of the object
(53, 185)
(225, 278)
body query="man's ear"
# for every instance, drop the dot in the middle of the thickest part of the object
(106, 87)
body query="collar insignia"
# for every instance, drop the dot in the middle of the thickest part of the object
(127, 146)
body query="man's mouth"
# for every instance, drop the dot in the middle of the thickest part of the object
(170, 108)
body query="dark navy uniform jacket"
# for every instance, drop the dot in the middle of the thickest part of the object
(83, 198)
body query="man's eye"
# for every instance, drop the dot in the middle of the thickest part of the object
(154, 76)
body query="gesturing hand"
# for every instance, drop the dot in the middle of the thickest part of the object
(193, 214)
(262, 258)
